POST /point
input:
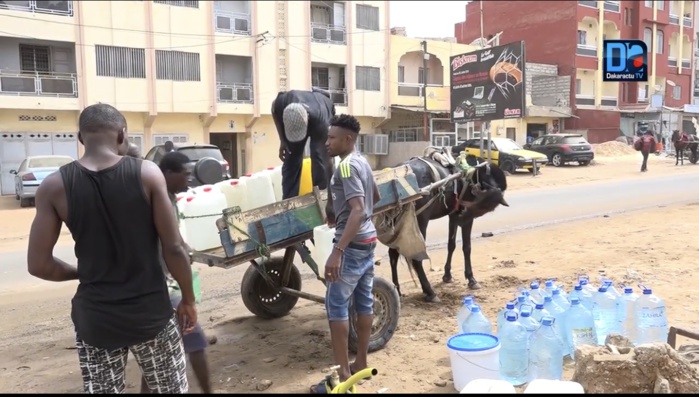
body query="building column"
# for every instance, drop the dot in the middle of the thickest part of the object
(600, 54)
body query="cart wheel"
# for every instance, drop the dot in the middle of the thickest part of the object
(693, 157)
(264, 301)
(386, 315)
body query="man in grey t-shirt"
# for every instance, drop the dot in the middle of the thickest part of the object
(349, 271)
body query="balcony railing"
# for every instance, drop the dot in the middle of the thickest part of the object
(589, 100)
(38, 84)
(612, 6)
(586, 50)
(42, 7)
(687, 22)
(331, 34)
(672, 62)
(232, 22)
(338, 95)
(674, 19)
(696, 92)
(234, 92)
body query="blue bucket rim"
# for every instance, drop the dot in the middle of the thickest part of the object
(477, 349)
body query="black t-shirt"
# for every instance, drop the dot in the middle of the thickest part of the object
(319, 106)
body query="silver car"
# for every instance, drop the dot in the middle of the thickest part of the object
(32, 172)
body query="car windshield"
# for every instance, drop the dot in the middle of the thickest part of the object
(574, 140)
(198, 153)
(48, 162)
(506, 145)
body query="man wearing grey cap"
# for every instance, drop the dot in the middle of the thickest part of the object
(300, 116)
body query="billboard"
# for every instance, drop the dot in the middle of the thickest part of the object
(488, 84)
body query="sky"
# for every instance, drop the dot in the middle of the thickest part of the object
(427, 18)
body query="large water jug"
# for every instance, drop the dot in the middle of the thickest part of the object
(276, 174)
(502, 316)
(323, 240)
(200, 215)
(523, 300)
(539, 312)
(306, 182)
(605, 313)
(559, 314)
(466, 303)
(537, 294)
(549, 285)
(559, 299)
(585, 297)
(260, 190)
(626, 314)
(203, 188)
(236, 193)
(477, 323)
(580, 327)
(585, 282)
(514, 360)
(610, 287)
(181, 202)
(526, 319)
(651, 318)
(545, 353)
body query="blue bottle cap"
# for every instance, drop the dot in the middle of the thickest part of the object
(475, 309)
(521, 298)
(556, 291)
(511, 317)
(472, 342)
(547, 299)
(628, 290)
(509, 306)
(468, 299)
(602, 289)
(575, 301)
(539, 306)
(525, 313)
(547, 320)
(647, 291)
(583, 282)
(549, 283)
(535, 286)
(578, 287)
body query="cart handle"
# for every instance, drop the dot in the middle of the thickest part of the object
(349, 384)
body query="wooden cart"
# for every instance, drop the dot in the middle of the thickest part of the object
(271, 285)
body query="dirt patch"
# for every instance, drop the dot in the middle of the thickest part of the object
(613, 148)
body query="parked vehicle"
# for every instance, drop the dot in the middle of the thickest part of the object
(564, 148)
(505, 152)
(206, 164)
(31, 172)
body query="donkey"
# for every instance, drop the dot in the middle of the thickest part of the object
(462, 201)
(680, 140)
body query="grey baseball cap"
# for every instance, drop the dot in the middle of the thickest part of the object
(295, 120)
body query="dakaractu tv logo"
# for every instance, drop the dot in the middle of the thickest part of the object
(625, 60)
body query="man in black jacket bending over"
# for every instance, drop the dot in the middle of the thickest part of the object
(299, 116)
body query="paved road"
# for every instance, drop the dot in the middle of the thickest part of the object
(527, 209)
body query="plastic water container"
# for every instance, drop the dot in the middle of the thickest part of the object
(546, 386)
(473, 356)
(605, 314)
(523, 300)
(202, 188)
(559, 325)
(476, 322)
(585, 297)
(465, 309)
(200, 214)
(537, 294)
(236, 193)
(580, 327)
(610, 287)
(276, 174)
(180, 204)
(260, 190)
(545, 353)
(549, 286)
(651, 318)
(526, 319)
(502, 316)
(514, 360)
(488, 386)
(323, 240)
(539, 312)
(306, 183)
(626, 314)
(585, 282)
(559, 299)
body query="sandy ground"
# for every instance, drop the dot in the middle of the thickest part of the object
(36, 335)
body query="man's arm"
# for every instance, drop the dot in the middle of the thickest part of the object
(377, 194)
(174, 254)
(354, 193)
(44, 233)
(277, 117)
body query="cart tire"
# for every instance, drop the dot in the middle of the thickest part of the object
(263, 301)
(386, 316)
(693, 157)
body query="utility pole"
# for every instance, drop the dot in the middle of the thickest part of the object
(425, 58)
(485, 126)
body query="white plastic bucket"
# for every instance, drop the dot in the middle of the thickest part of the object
(546, 386)
(473, 356)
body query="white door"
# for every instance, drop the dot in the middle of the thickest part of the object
(12, 153)
(38, 144)
(65, 145)
(61, 61)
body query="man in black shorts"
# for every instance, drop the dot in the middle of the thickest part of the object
(117, 209)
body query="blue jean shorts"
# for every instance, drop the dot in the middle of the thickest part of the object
(356, 281)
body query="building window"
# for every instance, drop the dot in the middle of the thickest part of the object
(177, 65)
(625, 92)
(648, 37)
(677, 92)
(628, 16)
(137, 139)
(661, 4)
(421, 76)
(648, 4)
(659, 42)
(401, 74)
(368, 78)
(34, 58)
(582, 37)
(179, 3)
(160, 139)
(121, 62)
(578, 87)
(367, 17)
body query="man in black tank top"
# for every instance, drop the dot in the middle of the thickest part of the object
(117, 209)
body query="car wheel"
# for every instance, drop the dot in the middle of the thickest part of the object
(557, 160)
(25, 202)
(584, 163)
(508, 166)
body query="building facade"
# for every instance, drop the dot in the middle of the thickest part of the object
(570, 35)
(185, 71)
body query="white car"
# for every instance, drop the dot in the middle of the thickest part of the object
(32, 172)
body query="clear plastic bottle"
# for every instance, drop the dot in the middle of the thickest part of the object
(465, 309)
(559, 325)
(580, 327)
(523, 300)
(539, 312)
(626, 313)
(514, 358)
(526, 319)
(502, 316)
(651, 318)
(583, 295)
(611, 288)
(537, 294)
(604, 312)
(545, 353)
(559, 299)
(549, 285)
(477, 323)
(585, 282)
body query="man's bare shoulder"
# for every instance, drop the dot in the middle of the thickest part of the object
(52, 184)
(149, 170)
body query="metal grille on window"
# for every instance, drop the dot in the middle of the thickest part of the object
(122, 62)
(179, 3)
(34, 58)
(367, 17)
(177, 65)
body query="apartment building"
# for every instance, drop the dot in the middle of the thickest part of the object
(185, 71)
(570, 35)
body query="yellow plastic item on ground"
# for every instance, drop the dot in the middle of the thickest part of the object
(306, 183)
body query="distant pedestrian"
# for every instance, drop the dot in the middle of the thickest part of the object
(648, 145)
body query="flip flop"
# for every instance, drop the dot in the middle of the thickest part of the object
(322, 387)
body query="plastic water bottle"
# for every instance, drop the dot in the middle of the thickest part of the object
(610, 287)
(539, 312)
(580, 327)
(529, 323)
(585, 282)
(502, 316)
(549, 285)
(626, 314)
(604, 312)
(651, 318)
(583, 295)
(559, 299)
(559, 325)
(537, 295)
(514, 360)
(521, 300)
(476, 322)
(464, 310)
(545, 353)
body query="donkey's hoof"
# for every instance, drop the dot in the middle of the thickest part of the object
(432, 299)
(474, 285)
(447, 279)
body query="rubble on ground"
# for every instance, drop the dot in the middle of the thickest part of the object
(618, 367)
(613, 149)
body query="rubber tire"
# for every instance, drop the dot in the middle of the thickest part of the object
(386, 330)
(208, 171)
(253, 282)
(508, 166)
(693, 157)
(560, 163)
(25, 202)
(584, 163)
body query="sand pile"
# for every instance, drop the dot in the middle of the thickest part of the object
(613, 149)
